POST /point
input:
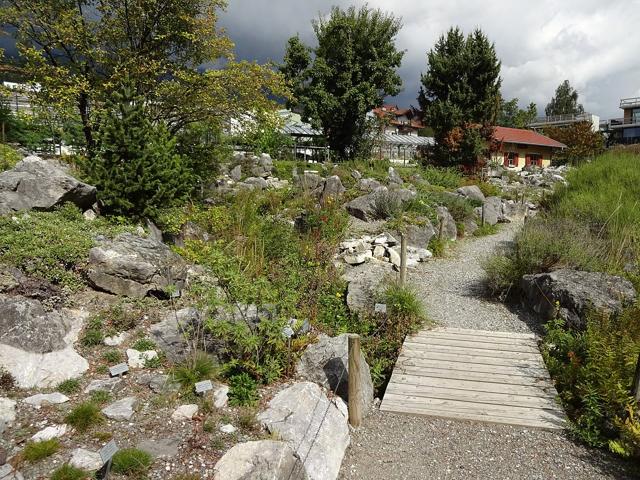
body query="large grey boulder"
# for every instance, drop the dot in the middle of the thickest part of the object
(327, 363)
(37, 184)
(577, 293)
(260, 460)
(332, 188)
(366, 207)
(314, 426)
(36, 345)
(449, 228)
(471, 192)
(491, 214)
(418, 236)
(174, 333)
(394, 177)
(308, 181)
(369, 184)
(135, 267)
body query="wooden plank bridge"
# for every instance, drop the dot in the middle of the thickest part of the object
(477, 375)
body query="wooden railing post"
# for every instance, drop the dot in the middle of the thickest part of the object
(355, 389)
(482, 217)
(403, 259)
(440, 229)
(635, 391)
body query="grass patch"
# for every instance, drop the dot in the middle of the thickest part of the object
(112, 356)
(85, 416)
(8, 157)
(100, 397)
(69, 472)
(36, 451)
(485, 230)
(131, 462)
(69, 387)
(193, 370)
(144, 344)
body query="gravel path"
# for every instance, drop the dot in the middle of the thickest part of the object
(391, 446)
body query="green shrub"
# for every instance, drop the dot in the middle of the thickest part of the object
(8, 157)
(402, 301)
(112, 356)
(69, 387)
(92, 334)
(194, 369)
(593, 372)
(84, 416)
(144, 344)
(68, 472)
(448, 178)
(437, 247)
(137, 169)
(35, 451)
(243, 390)
(131, 462)
(52, 245)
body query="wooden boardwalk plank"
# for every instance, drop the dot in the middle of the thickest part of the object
(496, 377)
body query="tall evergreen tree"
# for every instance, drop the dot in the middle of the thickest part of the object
(564, 102)
(353, 69)
(460, 95)
(136, 170)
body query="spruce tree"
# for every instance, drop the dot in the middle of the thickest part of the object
(137, 170)
(460, 95)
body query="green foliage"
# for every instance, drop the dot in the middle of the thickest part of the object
(460, 94)
(448, 178)
(565, 101)
(137, 169)
(194, 369)
(486, 229)
(403, 302)
(8, 157)
(583, 144)
(52, 245)
(69, 387)
(353, 70)
(112, 356)
(265, 136)
(131, 462)
(437, 247)
(510, 115)
(92, 334)
(243, 390)
(36, 451)
(100, 397)
(69, 472)
(144, 344)
(84, 416)
(593, 224)
(593, 371)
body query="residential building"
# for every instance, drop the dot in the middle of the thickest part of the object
(516, 148)
(398, 121)
(626, 129)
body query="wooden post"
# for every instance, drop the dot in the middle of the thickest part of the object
(403, 259)
(441, 229)
(3, 136)
(636, 382)
(482, 216)
(355, 389)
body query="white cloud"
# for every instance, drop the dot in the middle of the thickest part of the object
(592, 43)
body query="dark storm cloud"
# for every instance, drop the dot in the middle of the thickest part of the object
(590, 42)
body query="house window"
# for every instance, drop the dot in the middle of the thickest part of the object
(511, 159)
(535, 159)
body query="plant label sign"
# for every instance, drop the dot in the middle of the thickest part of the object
(108, 451)
(204, 386)
(118, 369)
(380, 308)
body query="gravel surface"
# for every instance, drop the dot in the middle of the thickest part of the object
(390, 446)
(454, 293)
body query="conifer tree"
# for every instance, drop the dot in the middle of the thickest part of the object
(137, 169)
(564, 102)
(460, 95)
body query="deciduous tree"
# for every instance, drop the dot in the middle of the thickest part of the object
(564, 102)
(581, 141)
(460, 95)
(353, 69)
(77, 50)
(511, 115)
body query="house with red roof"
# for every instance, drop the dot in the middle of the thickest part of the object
(398, 121)
(516, 148)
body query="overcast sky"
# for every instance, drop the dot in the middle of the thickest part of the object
(593, 43)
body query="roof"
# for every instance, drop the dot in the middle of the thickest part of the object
(392, 139)
(525, 137)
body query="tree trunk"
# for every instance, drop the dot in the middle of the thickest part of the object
(83, 105)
